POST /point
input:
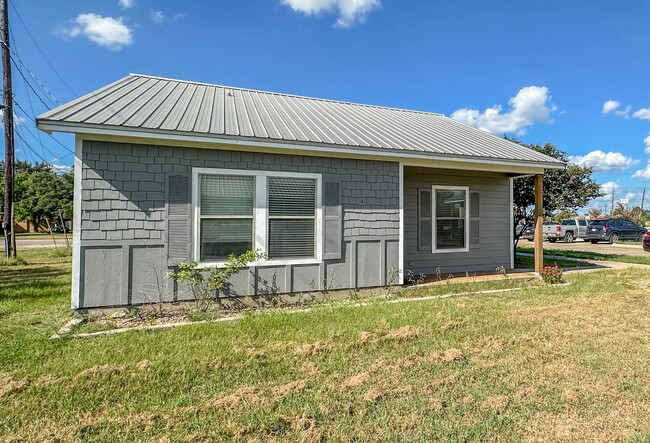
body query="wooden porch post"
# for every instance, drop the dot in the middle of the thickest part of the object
(539, 222)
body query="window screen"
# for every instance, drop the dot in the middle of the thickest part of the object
(226, 215)
(292, 217)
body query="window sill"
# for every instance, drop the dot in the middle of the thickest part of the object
(444, 251)
(276, 262)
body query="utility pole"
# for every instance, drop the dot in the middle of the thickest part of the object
(8, 108)
(612, 208)
(642, 201)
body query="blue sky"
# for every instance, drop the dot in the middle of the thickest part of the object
(541, 71)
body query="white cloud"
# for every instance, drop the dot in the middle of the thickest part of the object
(642, 114)
(126, 4)
(643, 173)
(157, 16)
(647, 144)
(604, 161)
(613, 106)
(18, 120)
(160, 18)
(350, 11)
(109, 32)
(531, 105)
(610, 105)
(608, 187)
(61, 168)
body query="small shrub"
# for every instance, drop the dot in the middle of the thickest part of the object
(205, 283)
(551, 274)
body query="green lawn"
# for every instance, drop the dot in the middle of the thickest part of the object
(644, 260)
(524, 262)
(542, 363)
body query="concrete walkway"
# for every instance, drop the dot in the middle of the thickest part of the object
(590, 265)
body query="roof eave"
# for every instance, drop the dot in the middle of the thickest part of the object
(50, 126)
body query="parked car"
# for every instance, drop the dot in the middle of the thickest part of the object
(568, 230)
(614, 229)
(529, 231)
(646, 242)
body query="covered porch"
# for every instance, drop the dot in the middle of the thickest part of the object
(460, 222)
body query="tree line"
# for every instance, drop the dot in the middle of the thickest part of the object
(40, 192)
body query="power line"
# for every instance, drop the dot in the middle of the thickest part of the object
(30, 86)
(30, 148)
(41, 51)
(50, 135)
(48, 94)
(31, 106)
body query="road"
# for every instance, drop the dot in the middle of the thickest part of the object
(601, 248)
(32, 243)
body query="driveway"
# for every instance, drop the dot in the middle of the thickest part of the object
(601, 248)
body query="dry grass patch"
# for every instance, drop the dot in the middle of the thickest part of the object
(101, 370)
(355, 381)
(8, 385)
(407, 332)
(496, 405)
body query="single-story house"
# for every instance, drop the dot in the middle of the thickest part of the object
(339, 195)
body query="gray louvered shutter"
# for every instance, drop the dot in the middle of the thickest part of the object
(332, 221)
(178, 219)
(475, 220)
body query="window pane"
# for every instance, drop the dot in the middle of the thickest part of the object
(227, 195)
(450, 203)
(291, 238)
(292, 196)
(450, 234)
(222, 237)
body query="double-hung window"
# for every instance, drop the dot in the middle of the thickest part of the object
(226, 215)
(450, 219)
(292, 217)
(271, 212)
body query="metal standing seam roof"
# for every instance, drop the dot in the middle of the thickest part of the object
(153, 103)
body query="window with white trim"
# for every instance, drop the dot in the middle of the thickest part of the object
(272, 212)
(450, 219)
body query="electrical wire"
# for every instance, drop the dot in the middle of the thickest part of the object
(50, 135)
(41, 51)
(29, 84)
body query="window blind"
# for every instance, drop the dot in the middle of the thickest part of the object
(227, 195)
(292, 211)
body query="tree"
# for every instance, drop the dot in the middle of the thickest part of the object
(40, 193)
(564, 189)
(562, 214)
(595, 211)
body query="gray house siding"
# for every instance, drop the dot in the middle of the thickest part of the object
(494, 223)
(124, 198)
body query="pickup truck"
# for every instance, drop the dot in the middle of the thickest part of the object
(568, 230)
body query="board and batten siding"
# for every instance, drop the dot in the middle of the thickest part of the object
(127, 211)
(493, 248)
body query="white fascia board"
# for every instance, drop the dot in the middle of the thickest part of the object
(409, 158)
(76, 224)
